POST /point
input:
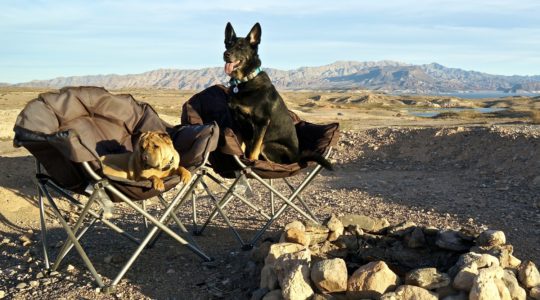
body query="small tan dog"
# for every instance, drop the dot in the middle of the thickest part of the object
(153, 158)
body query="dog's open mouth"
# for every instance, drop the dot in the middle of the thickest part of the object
(231, 67)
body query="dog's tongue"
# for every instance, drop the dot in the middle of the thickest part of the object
(229, 67)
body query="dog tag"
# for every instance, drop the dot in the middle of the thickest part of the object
(235, 89)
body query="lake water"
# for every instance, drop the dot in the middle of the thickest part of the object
(480, 94)
(434, 112)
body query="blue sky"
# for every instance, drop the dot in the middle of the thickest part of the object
(46, 39)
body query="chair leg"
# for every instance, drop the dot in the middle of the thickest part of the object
(68, 244)
(158, 226)
(288, 202)
(43, 224)
(223, 215)
(144, 219)
(272, 205)
(194, 211)
(73, 238)
(304, 204)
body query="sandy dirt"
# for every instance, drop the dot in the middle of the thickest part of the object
(461, 170)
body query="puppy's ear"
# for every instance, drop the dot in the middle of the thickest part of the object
(230, 35)
(165, 137)
(254, 35)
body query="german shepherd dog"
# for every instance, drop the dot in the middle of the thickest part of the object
(265, 125)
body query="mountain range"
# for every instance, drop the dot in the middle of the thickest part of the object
(380, 75)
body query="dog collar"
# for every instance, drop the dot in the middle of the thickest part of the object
(234, 82)
(168, 166)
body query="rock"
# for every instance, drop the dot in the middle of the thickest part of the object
(39, 275)
(21, 285)
(273, 295)
(371, 281)
(348, 241)
(269, 278)
(467, 259)
(513, 262)
(294, 235)
(502, 253)
(516, 291)
(365, 223)
(322, 297)
(452, 240)
(491, 238)
(406, 292)
(34, 283)
(528, 274)
(484, 288)
(504, 293)
(416, 239)
(330, 275)
(334, 224)
(258, 254)
(401, 229)
(292, 270)
(107, 259)
(258, 294)
(535, 293)
(276, 250)
(427, 278)
(2, 294)
(334, 235)
(295, 224)
(70, 268)
(295, 282)
(465, 278)
(460, 296)
(316, 232)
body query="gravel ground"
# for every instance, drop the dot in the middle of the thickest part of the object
(460, 177)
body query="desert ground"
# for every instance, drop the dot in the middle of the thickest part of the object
(440, 161)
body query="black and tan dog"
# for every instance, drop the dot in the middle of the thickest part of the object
(153, 158)
(263, 119)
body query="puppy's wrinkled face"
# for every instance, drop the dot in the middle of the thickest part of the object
(241, 56)
(156, 149)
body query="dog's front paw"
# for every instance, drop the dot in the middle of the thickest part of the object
(157, 183)
(185, 175)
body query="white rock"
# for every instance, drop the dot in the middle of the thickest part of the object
(427, 278)
(295, 224)
(273, 295)
(528, 274)
(465, 278)
(485, 286)
(535, 293)
(516, 291)
(406, 292)
(276, 250)
(371, 281)
(330, 275)
(292, 270)
(491, 238)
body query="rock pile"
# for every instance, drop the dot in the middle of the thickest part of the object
(359, 257)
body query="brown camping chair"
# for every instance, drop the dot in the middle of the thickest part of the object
(229, 161)
(67, 131)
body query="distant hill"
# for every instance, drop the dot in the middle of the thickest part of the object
(380, 75)
(4, 84)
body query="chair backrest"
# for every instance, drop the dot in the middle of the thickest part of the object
(211, 105)
(78, 124)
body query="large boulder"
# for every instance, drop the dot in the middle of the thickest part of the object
(330, 275)
(465, 278)
(371, 281)
(510, 281)
(488, 285)
(528, 274)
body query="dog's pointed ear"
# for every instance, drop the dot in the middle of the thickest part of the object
(254, 35)
(230, 35)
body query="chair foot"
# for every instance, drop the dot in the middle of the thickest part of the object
(247, 247)
(196, 232)
(110, 289)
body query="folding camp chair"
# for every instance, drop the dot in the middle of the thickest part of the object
(229, 161)
(67, 131)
